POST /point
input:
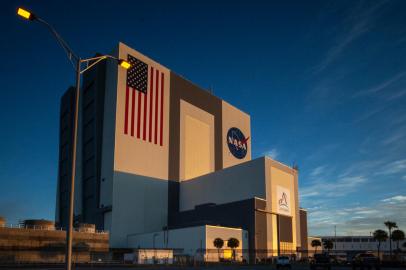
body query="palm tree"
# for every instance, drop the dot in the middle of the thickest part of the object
(380, 236)
(328, 244)
(397, 236)
(218, 243)
(233, 243)
(390, 225)
(316, 243)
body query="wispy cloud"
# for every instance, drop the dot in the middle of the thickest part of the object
(357, 219)
(396, 95)
(384, 85)
(394, 167)
(331, 201)
(341, 187)
(395, 199)
(369, 114)
(394, 138)
(273, 153)
(358, 21)
(317, 171)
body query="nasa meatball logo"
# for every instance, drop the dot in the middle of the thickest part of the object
(237, 143)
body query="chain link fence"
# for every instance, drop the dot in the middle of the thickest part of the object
(180, 257)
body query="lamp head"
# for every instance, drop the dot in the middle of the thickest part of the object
(26, 14)
(124, 64)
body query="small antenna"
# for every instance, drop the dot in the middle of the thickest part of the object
(295, 166)
(211, 90)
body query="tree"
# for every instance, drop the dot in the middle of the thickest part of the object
(316, 243)
(390, 225)
(218, 243)
(233, 243)
(397, 236)
(328, 244)
(380, 236)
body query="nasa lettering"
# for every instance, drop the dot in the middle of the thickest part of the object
(237, 143)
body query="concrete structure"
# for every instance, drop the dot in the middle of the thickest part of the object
(304, 240)
(358, 244)
(158, 153)
(2, 221)
(150, 256)
(33, 243)
(185, 241)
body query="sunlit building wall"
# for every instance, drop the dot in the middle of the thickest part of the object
(156, 151)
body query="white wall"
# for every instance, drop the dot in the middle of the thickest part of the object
(213, 232)
(139, 206)
(236, 183)
(191, 239)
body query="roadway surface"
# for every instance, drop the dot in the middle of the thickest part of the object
(219, 267)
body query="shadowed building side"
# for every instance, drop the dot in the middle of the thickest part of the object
(159, 154)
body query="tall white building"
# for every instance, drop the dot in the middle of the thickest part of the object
(157, 153)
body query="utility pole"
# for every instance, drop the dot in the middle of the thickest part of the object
(335, 239)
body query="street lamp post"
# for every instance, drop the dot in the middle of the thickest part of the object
(77, 62)
(153, 245)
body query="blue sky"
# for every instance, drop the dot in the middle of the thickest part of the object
(323, 81)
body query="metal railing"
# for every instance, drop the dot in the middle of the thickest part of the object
(178, 257)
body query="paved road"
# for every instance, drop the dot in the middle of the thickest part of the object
(220, 267)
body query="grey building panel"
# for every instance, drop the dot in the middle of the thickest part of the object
(229, 215)
(303, 229)
(92, 112)
(285, 229)
(260, 230)
(92, 133)
(66, 122)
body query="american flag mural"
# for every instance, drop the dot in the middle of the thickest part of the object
(144, 102)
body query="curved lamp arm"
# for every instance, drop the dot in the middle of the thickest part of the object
(72, 56)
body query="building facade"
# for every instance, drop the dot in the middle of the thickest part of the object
(158, 153)
(38, 241)
(360, 244)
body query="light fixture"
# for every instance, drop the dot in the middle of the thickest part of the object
(25, 14)
(124, 64)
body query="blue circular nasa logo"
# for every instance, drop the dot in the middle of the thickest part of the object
(237, 143)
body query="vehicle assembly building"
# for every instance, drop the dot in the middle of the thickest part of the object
(163, 163)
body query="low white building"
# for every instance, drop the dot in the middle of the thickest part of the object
(150, 256)
(196, 242)
(360, 243)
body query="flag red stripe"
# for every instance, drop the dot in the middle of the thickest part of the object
(144, 134)
(127, 93)
(151, 90)
(132, 112)
(156, 107)
(139, 115)
(162, 108)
